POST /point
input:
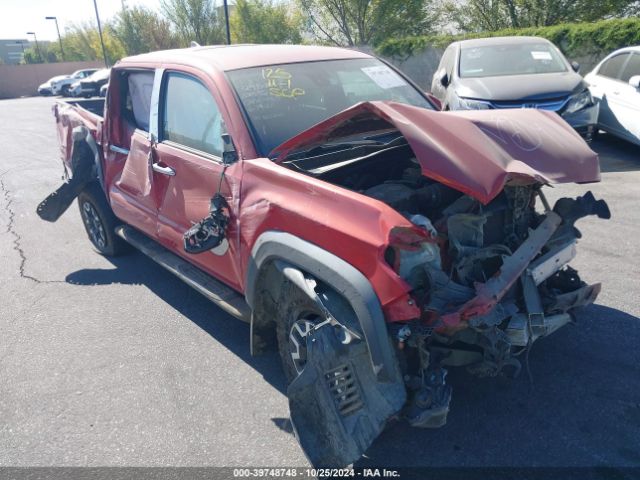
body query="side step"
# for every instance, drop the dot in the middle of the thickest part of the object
(226, 298)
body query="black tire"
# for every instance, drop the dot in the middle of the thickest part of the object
(64, 91)
(297, 308)
(100, 222)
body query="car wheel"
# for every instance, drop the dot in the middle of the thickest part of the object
(299, 315)
(100, 222)
(64, 91)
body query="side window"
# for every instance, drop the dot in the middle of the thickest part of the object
(138, 101)
(611, 68)
(190, 116)
(632, 68)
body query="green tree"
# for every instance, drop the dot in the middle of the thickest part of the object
(142, 30)
(195, 20)
(263, 21)
(491, 15)
(368, 22)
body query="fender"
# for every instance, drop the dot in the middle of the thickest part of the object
(85, 168)
(337, 273)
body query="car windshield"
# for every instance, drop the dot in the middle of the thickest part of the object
(280, 101)
(514, 59)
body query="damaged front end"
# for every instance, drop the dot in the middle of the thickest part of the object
(482, 253)
(499, 281)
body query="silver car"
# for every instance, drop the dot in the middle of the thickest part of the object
(615, 84)
(514, 72)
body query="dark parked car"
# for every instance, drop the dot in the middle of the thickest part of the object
(514, 72)
(91, 86)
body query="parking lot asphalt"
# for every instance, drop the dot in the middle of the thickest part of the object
(115, 362)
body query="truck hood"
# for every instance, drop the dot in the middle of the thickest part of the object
(475, 152)
(521, 87)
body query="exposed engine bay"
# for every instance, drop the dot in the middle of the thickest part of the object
(489, 279)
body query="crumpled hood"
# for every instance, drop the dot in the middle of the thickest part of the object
(475, 152)
(521, 87)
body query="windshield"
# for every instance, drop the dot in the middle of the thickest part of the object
(281, 101)
(515, 59)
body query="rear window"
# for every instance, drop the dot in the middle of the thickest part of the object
(514, 59)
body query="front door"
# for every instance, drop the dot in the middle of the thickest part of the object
(190, 149)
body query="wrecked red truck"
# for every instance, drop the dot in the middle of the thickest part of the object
(318, 194)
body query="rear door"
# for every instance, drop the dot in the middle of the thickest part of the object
(190, 149)
(134, 192)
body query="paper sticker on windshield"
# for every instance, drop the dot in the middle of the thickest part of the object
(541, 55)
(384, 76)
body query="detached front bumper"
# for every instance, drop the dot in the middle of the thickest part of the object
(583, 121)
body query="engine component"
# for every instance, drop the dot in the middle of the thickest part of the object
(429, 405)
(497, 357)
(403, 197)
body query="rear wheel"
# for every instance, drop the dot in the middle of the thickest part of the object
(100, 222)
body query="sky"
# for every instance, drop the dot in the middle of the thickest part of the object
(20, 16)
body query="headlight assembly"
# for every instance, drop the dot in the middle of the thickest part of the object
(579, 101)
(469, 104)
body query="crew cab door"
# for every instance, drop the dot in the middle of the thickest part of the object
(134, 186)
(189, 151)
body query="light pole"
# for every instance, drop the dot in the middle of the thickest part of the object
(226, 20)
(59, 37)
(104, 52)
(37, 46)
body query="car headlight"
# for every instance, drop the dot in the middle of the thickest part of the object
(579, 101)
(469, 104)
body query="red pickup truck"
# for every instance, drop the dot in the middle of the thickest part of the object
(318, 194)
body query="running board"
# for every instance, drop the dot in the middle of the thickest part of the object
(224, 297)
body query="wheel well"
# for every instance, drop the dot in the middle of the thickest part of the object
(270, 282)
(264, 314)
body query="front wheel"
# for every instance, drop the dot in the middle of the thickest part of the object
(100, 222)
(299, 315)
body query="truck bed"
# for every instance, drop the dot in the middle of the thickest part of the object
(73, 113)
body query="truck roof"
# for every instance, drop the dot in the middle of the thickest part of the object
(234, 57)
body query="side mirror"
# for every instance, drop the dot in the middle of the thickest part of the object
(444, 79)
(434, 100)
(635, 82)
(575, 66)
(229, 154)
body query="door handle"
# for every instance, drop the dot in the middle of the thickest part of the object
(170, 172)
(117, 149)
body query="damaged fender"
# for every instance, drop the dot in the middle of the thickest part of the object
(337, 273)
(85, 168)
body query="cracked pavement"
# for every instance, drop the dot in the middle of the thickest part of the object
(116, 362)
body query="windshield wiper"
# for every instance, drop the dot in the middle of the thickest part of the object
(348, 145)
